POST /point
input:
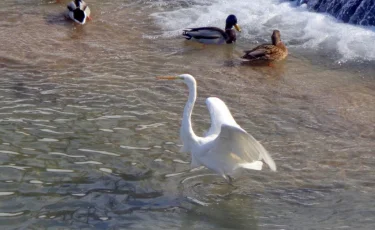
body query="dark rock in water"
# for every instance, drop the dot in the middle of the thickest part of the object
(361, 12)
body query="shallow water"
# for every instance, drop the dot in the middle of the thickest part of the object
(89, 138)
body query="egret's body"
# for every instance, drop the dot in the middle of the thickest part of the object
(225, 147)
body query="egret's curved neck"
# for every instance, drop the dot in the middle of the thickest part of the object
(186, 127)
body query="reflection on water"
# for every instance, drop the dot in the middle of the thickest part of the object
(90, 140)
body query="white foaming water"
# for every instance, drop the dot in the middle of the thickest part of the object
(300, 29)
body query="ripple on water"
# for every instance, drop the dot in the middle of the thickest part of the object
(52, 91)
(142, 127)
(12, 120)
(169, 143)
(111, 117)
(48, 140)
(196, 201)
(31, 149)
(47, 126)
(36, 120)
(62, 120)
(107, 130)
(57, 111)
(54, 132)
(26, 134)
(15, 167)
(174, 174)
(60, 170)
(36, 111)
(79, 194)
(88, 162)
(132, 147)
(118, 128)
(65, 155)
(6, 193)
(10, 214)
(17, 106)
(9, 152)
(100, 152)
(107, 170)
(180, 161)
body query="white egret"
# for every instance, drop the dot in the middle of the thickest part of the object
(225, 147)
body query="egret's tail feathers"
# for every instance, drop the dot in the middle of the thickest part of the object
(256, 165)
(269, 161)
(266, 157)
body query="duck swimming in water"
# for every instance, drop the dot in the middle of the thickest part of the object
(276, 51)
(78, 11)
(214, 35)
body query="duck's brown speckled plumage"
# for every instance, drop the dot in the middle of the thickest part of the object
(276, 51)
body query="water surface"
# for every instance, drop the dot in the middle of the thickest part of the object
(89, 138)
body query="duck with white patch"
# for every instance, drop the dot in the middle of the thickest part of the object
(214, 35)
(78, 11)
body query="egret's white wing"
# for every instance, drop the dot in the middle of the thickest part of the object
(235, 148)
(220, 115)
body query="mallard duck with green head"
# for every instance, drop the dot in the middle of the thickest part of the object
(78, 11)
(276, 51)
(214, 35)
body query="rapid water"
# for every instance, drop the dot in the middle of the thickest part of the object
(300, 29)
(89, 139)
(360, 12)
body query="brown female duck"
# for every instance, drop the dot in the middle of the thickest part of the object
(276, 51)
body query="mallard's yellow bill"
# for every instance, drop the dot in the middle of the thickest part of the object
(167, 78)
(237, 27)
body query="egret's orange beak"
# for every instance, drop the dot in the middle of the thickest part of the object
(167, 78)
